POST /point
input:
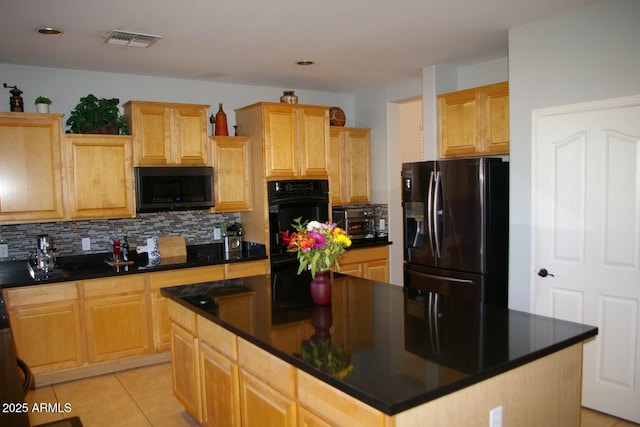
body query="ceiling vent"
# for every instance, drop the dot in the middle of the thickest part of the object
(128, 38)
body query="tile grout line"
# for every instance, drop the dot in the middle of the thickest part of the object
(133, 400)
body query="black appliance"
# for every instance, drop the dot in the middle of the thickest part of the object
(288, 200)
(167, 188)
(456, 227)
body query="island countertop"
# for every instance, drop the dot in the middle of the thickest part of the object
(405, 348)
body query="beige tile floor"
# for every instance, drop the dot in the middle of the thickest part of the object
(144, 397)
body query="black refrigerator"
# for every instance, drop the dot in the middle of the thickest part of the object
(456, 228)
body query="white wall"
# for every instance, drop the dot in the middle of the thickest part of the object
(587, 54)
(66, 87)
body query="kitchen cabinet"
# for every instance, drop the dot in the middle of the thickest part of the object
(159, 309)
(474, 122)
(267, 388)
(30, 168)
(349, 165)
(168, 133)
(99, 176)
(45, 322)
(369, 263)
(184, 359)
(116, 318)
(232, 173)
(294, 138)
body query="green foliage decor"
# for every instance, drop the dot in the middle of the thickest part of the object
(93, 115)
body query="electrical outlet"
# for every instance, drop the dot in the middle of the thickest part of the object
(217, 234)
(495, 417)
(86, 244)
(4, 250)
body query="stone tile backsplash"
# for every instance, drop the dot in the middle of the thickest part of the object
(196, 226)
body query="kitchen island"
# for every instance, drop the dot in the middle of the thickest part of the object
(378, 355)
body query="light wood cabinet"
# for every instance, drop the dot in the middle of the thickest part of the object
(99, 176)
(30, 168)
(159, 309)
(349, 166)
(232, 173)
(168, 133)
(185, 366)
(295, 138)
(369, 263)
(116, 318)
(474, 122)
(45, 322)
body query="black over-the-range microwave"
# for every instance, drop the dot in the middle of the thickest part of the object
(167, 188)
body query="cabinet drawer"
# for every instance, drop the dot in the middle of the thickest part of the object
(186, 276)
(273, 371)
(365, 254)
(41, 294)
(246, 269)
(182, 316)
(113, 286)
(218, 338)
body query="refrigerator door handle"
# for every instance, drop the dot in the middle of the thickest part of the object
(430, 210)
(436, 222)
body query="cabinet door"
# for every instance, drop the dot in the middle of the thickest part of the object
(358, 165)
(100, 172)
(314, 141)
(186, 370)
(232, 169)
(189, 135)
(48, 337)
(264, 406)
(280, 141)
(116, 327)
(377, 270)
(151, 130)
(460, 123)
(337, 164)
(30, 168)
(496, 119)
(220, 393)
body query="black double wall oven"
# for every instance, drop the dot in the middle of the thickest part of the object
(288, 200)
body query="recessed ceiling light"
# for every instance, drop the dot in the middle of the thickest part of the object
(305, 62)
(50, 31)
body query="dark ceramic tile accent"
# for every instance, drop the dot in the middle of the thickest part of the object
(196, 226)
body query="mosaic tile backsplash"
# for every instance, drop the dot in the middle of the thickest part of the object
(196, 226)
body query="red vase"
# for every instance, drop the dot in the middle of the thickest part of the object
(321, 287)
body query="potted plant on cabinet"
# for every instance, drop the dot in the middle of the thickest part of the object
(93, 115)
(42, 104)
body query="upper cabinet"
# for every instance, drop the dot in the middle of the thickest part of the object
(99, 176)
(30, 168)
(295, 138)
(232, 172)
(168, 133)
(349, 165)
(474, 122)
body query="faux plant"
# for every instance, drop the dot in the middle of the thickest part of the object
(93, 115)
(318, 245)
(43, 100)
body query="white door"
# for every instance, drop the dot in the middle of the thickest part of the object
(586, 234)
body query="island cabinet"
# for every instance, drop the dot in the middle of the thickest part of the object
(231, 173)
(349, 166)
(99, 176)
(474, 122)
(45, 321)
(31, 168)
(368, 263)
(116, 318)
(292, 139)
(168, 133)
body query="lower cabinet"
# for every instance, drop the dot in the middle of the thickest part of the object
(220, 388)
(262, 405)
(46, 326)
(369, 263)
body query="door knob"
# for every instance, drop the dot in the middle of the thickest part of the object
(544, 273)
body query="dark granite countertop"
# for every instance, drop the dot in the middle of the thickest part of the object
(93, 266)
(400, 344)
